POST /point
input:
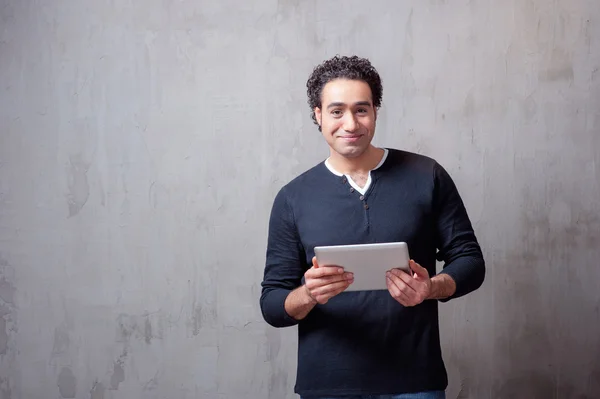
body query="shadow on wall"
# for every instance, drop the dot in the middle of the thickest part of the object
(547, 319)
(8, 328)
(546, 309)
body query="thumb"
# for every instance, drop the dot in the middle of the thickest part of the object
(314, 261)
(418, 269)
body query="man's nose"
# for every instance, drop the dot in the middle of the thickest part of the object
(350, 124)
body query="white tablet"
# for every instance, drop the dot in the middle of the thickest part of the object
(368, 262)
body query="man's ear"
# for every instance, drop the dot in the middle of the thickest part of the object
(318, 115)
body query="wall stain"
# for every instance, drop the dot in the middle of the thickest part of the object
(560, 67)
(7, 291)
(79, 189)
(581, 232)
(529, 108)
(3, 337)
(408, 60)
(125, 326)
(197, 320)
(593, 386)
(152, 383)
(67, 383)
(202, 316)
(7, 296)
(61, 341)
(273, 344)
(526, 386)
(568, 391)
(469, 105)
(118, 375)
(5, 391)
(457, 382)
(97, 391)
(7, 288)
(137, 327)
(148, 331)
(558, 73)
(278, 381)
(587, 35)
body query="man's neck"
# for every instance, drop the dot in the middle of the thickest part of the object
(364, 163)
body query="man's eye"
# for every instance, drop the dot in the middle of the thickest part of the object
(362, 111)
(336, 112)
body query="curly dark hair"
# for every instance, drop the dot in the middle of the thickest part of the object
(342, 67)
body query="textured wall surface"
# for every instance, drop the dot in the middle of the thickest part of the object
(142, 142)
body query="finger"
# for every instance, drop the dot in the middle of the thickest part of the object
(323, 271)
(330, 290)
(401, 274)
(396, 293)
(418, 269)
(404, 281)
(341, 289)
(315, 263)
(399, 287)
(323, 281)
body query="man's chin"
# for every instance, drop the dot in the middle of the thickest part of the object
(351, 152)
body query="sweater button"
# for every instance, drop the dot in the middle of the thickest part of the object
(366, 206)
(351, 189)
(362, 197)
(344, 180)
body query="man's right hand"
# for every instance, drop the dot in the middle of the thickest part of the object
(323, 283)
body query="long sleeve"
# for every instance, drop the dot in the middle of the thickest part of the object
(284, 266)
(456, 241)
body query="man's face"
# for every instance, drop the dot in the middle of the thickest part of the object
(347, 116)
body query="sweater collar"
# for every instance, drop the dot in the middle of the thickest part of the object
(335, 172)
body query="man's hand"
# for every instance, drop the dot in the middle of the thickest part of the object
(323, 283)
(409, 289)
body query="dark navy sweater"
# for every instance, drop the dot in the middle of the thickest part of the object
(366, 342)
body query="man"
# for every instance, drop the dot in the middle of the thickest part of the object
(358, 344)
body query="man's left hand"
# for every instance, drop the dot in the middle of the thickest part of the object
(409, 290)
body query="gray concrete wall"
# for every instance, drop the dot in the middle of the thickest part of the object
(142, 142)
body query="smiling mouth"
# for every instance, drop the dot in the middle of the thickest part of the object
(351, 137)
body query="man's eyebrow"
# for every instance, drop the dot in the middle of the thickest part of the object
(359, 103)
